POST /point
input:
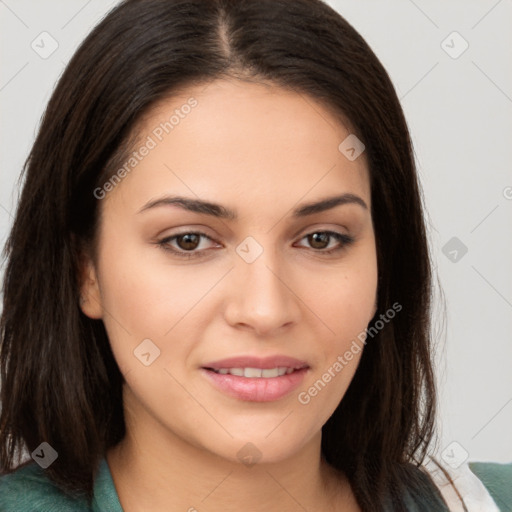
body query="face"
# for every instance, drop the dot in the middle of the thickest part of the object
(237, 321)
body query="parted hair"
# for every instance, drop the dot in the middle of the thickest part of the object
(59, 380)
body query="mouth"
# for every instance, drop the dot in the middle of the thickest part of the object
(258, 373)
(255, 379)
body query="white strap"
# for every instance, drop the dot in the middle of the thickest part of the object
(471, 489)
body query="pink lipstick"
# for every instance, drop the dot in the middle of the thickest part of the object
(256, 379)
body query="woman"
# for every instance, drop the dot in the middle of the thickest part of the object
(217, 291)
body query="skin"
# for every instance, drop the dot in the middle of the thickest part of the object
(262, 151)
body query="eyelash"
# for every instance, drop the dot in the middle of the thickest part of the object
(345, 240)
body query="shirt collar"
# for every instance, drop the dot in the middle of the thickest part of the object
(105, 497)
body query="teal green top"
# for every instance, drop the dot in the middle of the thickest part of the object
(29, 490)
(497, 478)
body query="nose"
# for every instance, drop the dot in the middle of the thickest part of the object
(262, 297)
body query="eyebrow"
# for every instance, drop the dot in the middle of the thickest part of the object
(222, 212)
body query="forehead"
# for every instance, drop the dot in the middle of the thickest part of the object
(230, 138)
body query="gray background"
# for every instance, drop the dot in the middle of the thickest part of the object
(459, 109)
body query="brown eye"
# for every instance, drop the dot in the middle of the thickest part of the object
(185, 245)
(319, 240)
(188, 241)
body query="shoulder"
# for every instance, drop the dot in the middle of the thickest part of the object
(28, 489)
(484, 487)
(497, 479)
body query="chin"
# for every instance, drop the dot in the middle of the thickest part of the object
(259, 448)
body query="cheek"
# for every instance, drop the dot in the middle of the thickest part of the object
(345, 303)
(338, 355)
(145, 298)
(165, 304)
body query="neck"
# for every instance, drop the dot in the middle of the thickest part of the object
(154, 469)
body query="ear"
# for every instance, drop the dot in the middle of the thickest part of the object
(90, 296)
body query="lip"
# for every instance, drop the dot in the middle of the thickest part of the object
(256, 362)
(256, 389)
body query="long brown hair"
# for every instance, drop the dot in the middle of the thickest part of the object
(60, 382)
